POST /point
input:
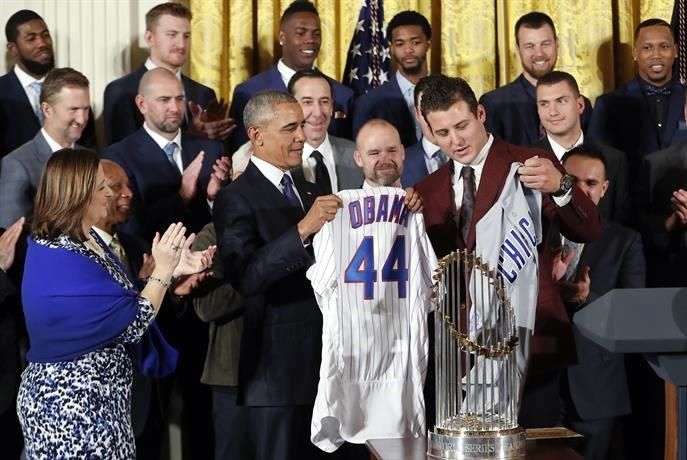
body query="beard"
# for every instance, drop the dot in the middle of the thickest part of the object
(37, 68)
(385, 177)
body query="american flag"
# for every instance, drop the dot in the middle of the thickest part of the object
(679, 24)
(367, 65)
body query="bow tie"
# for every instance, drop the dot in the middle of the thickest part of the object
(652, 90)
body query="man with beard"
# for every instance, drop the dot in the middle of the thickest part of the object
(409, 35)
(380, 154)
(327, 160)
(30, 44)
(512, 109)
(300, 38)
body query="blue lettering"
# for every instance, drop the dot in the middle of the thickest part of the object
(521, 243)
(512, 252)
(396, 208)
(369, 204)
(383, 208)
(524, 226)
(356, 214)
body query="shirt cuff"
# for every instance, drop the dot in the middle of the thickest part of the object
(563, 199)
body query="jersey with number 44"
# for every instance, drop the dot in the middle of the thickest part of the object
(372, 279)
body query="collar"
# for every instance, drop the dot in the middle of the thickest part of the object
(106, 237)
(478, 161)
(285, 71)
(150, 65)
(559, 150)
(54, 145)
(271, 172)
(325, 148)
(404, 84)
(368, 186)
(24, 78)
(160, 140)
(529, 88)
(428, 147)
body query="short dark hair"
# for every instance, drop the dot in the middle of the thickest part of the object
(58, 79)
(557, 76)
(534, 20)
(172, 9)
(442, 92)
(298, 6)
(588, 150)
(63, 194)
(653, 22)
(409, 18)
(422, 85)
(308, 73)
(16, 20)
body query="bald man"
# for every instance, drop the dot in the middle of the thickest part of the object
(174, 175)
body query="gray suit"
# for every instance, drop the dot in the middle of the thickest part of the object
(348, 174)
(21, 170)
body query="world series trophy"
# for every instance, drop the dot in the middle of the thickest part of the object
(478, 379)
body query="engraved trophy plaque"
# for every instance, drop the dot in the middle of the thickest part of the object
(477, 377)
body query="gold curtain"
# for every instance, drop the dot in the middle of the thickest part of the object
(234, 39)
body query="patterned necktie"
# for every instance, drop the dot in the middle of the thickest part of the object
(570, 272)
(468, 203)
(36, 102)
(652, 90)
(322, 178)
(288, 191)
(118, 250)
(169, 151)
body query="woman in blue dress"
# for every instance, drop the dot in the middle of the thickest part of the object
(85, 319)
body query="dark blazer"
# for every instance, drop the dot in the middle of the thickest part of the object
(156, 182)
(386, 102)
(122, 117)
(623, 119)
(18, 122)
(617, 204)
(598, 384)
(271, 79)
(552, 346)
(265, 259)
(414, 166)
(512, 112)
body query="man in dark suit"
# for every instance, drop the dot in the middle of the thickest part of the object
(459, 193)
(30, 44)
(409, 35)
(65, 107)
(595, 390)
(327, 160)
(560, 105)
(173, 174)
(512, 109)
(264, 222)
(300, 40)
(168, 33)
(647, 113)
(424, 157)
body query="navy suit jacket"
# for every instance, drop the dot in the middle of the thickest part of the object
(617, 204)
(156, 182)
(271, 79)
(512, 112)
(386, 102)
(598, 384)
(18, 122)
(414, 166)
(623, 119)
(264, 259)
(122, 117)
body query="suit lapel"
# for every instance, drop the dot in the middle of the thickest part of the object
(155, 156)
(648, 123)
(275, 78)
(18, 95)
(496, 167)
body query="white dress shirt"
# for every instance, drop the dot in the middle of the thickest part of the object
(26, 80)
(162, 143)
(274, 175)
(559, 150)
(285, 71)
(150, 65)
(309, 163)
(477, 165)
(54, 145)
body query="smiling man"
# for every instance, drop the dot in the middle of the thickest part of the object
(647, 113)
(409, 35)
(511, 111)
(65, 106)
(327, 160)
(300, 38)
(461, 192)
(264, 221)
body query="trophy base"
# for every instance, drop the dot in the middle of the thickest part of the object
(442, 445)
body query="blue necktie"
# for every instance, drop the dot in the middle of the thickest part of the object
(169, 151)
(36, 89)
(290, 194)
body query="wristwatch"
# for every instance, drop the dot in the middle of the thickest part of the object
(567, 182)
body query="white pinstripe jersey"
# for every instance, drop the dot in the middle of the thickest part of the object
(372, 279)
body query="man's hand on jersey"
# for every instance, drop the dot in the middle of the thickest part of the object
(540, 174)
(323, 210)
(578, 291)
(413, 200)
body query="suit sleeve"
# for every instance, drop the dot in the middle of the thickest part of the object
(15, 200)
(250, 264)
(119, 114)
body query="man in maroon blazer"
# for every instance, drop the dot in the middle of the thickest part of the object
(458, 194)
